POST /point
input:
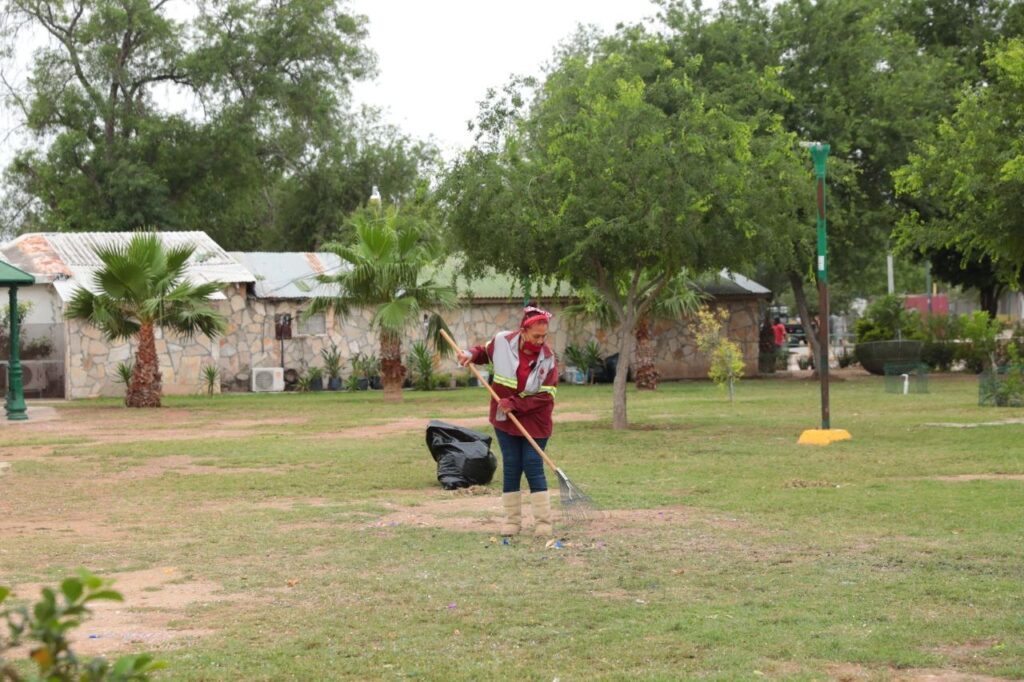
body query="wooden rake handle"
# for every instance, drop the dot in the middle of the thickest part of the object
(483, 382)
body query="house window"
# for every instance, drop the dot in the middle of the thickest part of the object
(314, 325)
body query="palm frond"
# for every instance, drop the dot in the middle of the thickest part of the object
(191, 317)
(394, 316)
(435, 323)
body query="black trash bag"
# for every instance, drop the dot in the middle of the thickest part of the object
(463, 456)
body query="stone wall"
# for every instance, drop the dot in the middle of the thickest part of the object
(249, 342)
(91, 360)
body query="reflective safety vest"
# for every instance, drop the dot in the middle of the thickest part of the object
(505, 357)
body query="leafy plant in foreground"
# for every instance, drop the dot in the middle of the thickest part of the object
(47, 625)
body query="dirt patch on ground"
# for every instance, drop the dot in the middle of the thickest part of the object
(12, 524)
(153, 599)
(419, 424)
(183, 464)
(974, 425)
(97, 427)
(978, 477)
(479, 510)
(851, 672)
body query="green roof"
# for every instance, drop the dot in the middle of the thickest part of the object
(11, 276)
(495, 286)
(498, 286)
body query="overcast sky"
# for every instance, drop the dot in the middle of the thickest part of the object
(437, 59)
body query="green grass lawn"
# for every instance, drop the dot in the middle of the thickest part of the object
(729, 552)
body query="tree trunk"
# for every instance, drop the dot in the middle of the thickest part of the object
(626, 341)
(392, 372)
(646, 376)
(145, 387)
(797, 283)
(990, 299)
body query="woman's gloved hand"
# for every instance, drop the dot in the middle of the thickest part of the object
(505, 405)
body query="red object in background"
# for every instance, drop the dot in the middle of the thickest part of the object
(919, 302)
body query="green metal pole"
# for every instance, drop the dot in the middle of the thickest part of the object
(15, 406)
(819, 153)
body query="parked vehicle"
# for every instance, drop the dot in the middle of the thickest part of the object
(795, 335)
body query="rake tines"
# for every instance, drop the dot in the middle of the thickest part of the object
(577, 507)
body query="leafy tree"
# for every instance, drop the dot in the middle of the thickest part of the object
(970, 176)
(391, 253)
(142, 286)
(617, 175)
(950, 265)
(679, 299)
(269, 135)
(850, 75)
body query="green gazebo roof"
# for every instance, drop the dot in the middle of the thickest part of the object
(11, 276)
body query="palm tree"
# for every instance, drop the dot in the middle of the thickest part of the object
(678, 298)
(389, 260)
(142, 287)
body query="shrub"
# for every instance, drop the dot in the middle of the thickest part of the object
(982, 332)
(939, 355)
(886, 319)
(726, 357)
(210, 376)
(422, 366)
(586, 358)
(332, 361)
(1004, 386)
(48, 623)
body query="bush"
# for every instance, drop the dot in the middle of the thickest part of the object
(1004, 387)
(939, 355)
(887, 319)
(586, 358)
(48, 623)
(422, 366)
(726, 357)
(845, 359)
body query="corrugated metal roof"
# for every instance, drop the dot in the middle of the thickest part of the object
(70, 257)
(727, 283)
(503, 287)
(12, 276)
(278, 275)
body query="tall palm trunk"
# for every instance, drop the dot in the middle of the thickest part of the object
(646, 376)
(392, 372)
(145, 387)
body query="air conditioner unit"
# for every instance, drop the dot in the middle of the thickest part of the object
(267, 379)
(33, 376)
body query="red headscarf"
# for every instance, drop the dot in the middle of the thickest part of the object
(533, 315)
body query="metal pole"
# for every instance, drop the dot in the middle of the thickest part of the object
(928, 284)
(819, 153)
(15, 406)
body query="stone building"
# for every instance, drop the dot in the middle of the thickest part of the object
(83, 364)
(265, 298)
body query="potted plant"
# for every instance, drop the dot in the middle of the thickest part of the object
(352, 383)
(885, 335)
(316, 378)
(371, 370)
(421, 362)
(358, 380)
(332, 367)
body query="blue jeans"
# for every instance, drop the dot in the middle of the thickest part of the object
(517, 458)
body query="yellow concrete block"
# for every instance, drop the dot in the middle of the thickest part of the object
(823, 436)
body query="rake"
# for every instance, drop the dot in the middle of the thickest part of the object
(577, 507)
